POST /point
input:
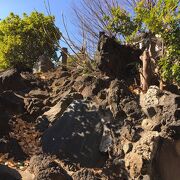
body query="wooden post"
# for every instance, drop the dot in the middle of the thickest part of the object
(146, 72)
(64, 56)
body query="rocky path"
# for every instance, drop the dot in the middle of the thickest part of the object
(67, 125)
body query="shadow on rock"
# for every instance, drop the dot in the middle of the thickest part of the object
(7, 173)
(167, 160)
(76, 136)
(12, 148)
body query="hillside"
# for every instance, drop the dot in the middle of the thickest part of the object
(64, 124)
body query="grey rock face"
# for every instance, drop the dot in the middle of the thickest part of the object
(76, 136)
(150, 101)
(43, 64)
(106, 141)
(161, 105)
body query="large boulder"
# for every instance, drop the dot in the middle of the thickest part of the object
(113, 58)
(11, 80)
(76, 136)
(10, 104)
(43, 64)
(161, 105)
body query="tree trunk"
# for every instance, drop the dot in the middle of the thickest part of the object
(146, 72)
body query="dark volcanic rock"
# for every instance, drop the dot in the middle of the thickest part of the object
(76, 136)
(45, 168)
(36, 102)
(4, 122)
(32, 81)
(12, 148)
(42, 123)
(34, 106)
(110, 135)
(11, 102)
(122, 102)
(99, 85)
(7, 173)
(113, 58)
(11, 80)
(132, 109)
(64, 74)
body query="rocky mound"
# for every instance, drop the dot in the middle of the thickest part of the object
(77, 126)
(115, 59)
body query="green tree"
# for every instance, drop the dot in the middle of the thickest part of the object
(160, 17)
(23, 40)
(121, 23)
(163, 19)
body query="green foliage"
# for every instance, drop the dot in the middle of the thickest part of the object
(170, 62)
(161, 18)
(157, 17)
(164, 19)
(23, 40)
(121, 22)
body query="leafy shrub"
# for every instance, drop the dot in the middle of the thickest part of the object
(23, 40)
(161, 17)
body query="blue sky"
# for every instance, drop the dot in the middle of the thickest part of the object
(57, 8)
